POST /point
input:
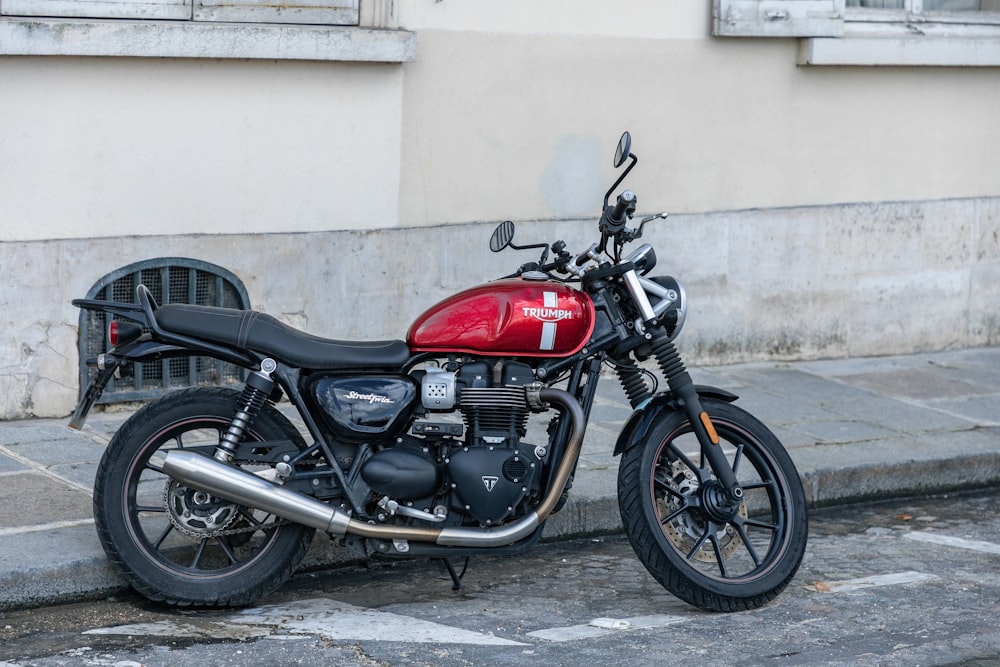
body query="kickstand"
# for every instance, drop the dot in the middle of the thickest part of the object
(456, 578)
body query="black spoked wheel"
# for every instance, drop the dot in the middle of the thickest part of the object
(180, 545)
(711, 553)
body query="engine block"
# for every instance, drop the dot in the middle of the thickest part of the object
(490, 473)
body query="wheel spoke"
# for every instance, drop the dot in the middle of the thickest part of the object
(746, 542)
(198, 554)
(765, 484)
(227, 549)
(773, 527)
(666, 486)
(698, 545)
(261, 524)
(673, 515)
(737, 459)
(166, 532)
(717, 548)
(684, 459)
(150, 508)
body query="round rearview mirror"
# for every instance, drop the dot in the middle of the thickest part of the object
(624, 148)
(502, 236)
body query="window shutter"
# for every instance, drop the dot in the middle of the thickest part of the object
(114, 9)
(778, 18)
(326, 12)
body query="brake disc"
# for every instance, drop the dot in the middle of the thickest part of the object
(686, 529)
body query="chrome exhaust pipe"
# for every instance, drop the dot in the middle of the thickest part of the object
(239, 486)
(207, 474)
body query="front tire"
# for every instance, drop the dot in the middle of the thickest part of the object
(179, 545)
(713, 556)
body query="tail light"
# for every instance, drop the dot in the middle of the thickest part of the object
(120, 333)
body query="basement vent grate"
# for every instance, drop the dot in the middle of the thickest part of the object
(170, 280)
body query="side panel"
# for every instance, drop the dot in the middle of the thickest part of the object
(364, 407)
(507, 318)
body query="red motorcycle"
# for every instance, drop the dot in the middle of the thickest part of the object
(417, 448)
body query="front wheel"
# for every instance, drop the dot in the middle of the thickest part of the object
(711, 553)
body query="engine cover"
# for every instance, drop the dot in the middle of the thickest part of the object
(402, 472)
(490, 482)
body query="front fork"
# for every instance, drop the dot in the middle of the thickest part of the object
(683, 388)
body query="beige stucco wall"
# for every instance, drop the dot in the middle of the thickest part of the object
(96, 147)
(524, 122)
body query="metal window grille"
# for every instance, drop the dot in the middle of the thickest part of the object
(170, 280)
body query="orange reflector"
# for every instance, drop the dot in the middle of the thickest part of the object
(710, 428)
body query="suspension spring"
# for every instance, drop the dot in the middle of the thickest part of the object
(258, 387)
(633, 383)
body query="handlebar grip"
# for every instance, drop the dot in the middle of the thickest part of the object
(625, 200)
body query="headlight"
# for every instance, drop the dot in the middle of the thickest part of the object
(672, 303)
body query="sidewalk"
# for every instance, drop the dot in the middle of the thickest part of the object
(856, 428)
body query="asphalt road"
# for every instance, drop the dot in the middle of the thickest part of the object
(912, 582)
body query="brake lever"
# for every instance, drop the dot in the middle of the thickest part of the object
(630, 235)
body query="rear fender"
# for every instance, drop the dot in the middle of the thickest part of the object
(643, 418)
(142, 349)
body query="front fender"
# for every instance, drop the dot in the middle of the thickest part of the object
(638, 424)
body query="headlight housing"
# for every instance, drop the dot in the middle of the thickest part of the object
(672, 303)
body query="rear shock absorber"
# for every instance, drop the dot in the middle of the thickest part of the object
(258, 387)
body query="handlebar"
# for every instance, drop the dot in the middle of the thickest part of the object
(587, 255)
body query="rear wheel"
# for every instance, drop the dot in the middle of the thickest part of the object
(180, 545)
(711, 553)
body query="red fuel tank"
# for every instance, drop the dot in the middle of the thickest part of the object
(522, 318)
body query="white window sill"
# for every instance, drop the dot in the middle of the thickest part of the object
(909, 44)
(189, 39)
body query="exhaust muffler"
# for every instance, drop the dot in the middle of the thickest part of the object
(239, 486)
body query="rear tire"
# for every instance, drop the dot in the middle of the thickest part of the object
(175, 544)
(714, 559)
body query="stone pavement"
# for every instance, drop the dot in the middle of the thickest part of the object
(857, 429)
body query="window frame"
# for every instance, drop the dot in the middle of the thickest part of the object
(862, 36)
(375, 38)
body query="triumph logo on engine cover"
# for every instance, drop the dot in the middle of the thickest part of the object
(490, 482)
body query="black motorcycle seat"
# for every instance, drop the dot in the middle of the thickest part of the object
(249, 329)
